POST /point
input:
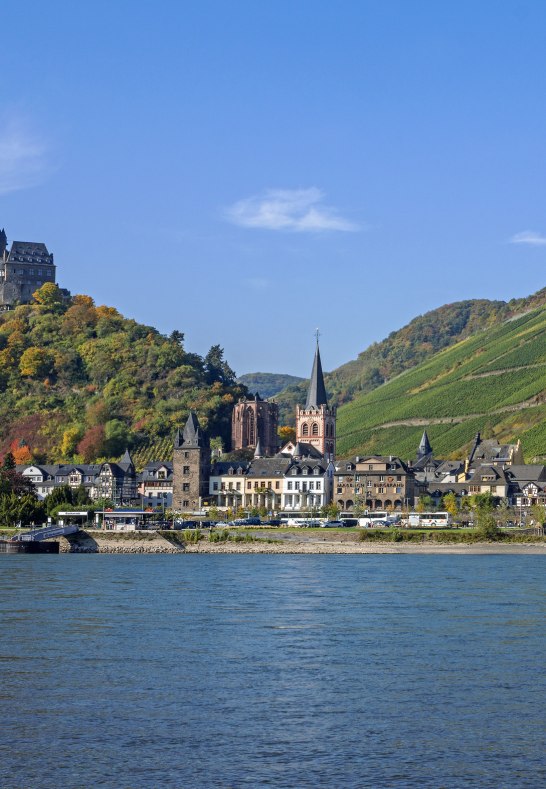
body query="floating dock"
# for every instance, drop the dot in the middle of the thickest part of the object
(28, 546)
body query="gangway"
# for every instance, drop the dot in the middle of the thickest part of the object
(46, 533)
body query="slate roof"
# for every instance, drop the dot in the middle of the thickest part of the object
(424, 447)
(269, 467)
(533, 472)
(192, 435)
(316, 394)
(21, 251)
(222, 467)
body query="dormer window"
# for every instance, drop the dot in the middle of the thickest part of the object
(305, 471)
(349, 467)
(294, 472)
(230, 471)
(316, 470)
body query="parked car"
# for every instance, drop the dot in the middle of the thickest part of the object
(332, 525)
(349, 521)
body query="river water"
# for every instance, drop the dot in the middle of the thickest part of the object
(276, 671)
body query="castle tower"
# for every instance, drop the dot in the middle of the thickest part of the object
(3, 244)
(191, 466)
(255, 421)
(316, 422)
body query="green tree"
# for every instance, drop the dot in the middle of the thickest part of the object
(8, 464)
(60, 495)
(486, 525)
(49, 296)
(425, 504)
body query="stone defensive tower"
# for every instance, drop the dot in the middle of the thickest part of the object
(191, 466)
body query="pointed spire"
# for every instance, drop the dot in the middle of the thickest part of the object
(298, 451)
(126, 461)
(192, 435)
(178, 439)
(258, 450)
(424, 447)
(316, 394)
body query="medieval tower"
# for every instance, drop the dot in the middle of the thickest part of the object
(191, 466)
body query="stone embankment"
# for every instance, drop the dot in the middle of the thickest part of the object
(155, 543)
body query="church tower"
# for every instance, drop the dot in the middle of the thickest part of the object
(316, 422)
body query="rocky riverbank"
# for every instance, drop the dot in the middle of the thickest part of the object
(165, 543)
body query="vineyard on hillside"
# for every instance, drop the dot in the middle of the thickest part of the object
(494, 381)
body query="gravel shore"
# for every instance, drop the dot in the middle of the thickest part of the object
(96, 542)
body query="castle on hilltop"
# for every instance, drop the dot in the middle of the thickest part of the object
(23, 269)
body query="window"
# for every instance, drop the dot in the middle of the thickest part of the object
(238, 486)
(186, 470)
(215, 486)
(369, 484)
(349, 466)
(277, 485)
(339, 491)
(296, 485)
(316, 470)
(381, 478)
(186, 487)
(399, 478)
(249, 484)
(185, 503)
(314, 429)
(289, 486)
(186, 454)
(294, 472)
(305, 429)
(305, 471)
(370, 468)
(311, 486)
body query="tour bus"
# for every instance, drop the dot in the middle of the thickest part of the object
(430, 520)
(378, 518)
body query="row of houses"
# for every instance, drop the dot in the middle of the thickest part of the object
(300, 479)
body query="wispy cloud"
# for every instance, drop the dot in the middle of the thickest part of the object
(297, 210)
(22, 158)
(529, 237)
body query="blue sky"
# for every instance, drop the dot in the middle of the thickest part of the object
(247, 171)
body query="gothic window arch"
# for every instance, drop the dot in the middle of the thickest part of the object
(314, 429)
(305, 429)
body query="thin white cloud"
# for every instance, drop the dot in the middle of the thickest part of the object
(529, 237)
(297, 210)
(22, 159)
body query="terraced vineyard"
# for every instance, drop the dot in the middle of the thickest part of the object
(494, 381)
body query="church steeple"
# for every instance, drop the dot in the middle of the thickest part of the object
(316, 394)
(316, 421)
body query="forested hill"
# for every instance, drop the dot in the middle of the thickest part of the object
(268, 384)
(407, 347)
(493, 382)
(80, 382)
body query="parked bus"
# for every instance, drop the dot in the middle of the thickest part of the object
(430, 520)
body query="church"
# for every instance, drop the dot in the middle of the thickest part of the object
(298, 475)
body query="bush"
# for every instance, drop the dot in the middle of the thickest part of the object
(191, 535)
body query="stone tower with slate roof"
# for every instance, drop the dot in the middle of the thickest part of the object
(316, 421)
(191, 466)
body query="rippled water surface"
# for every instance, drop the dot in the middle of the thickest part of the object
(280, 671)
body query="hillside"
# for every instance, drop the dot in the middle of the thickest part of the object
(268, 384)
(80, 382)
(493, 381)
(407, 347)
